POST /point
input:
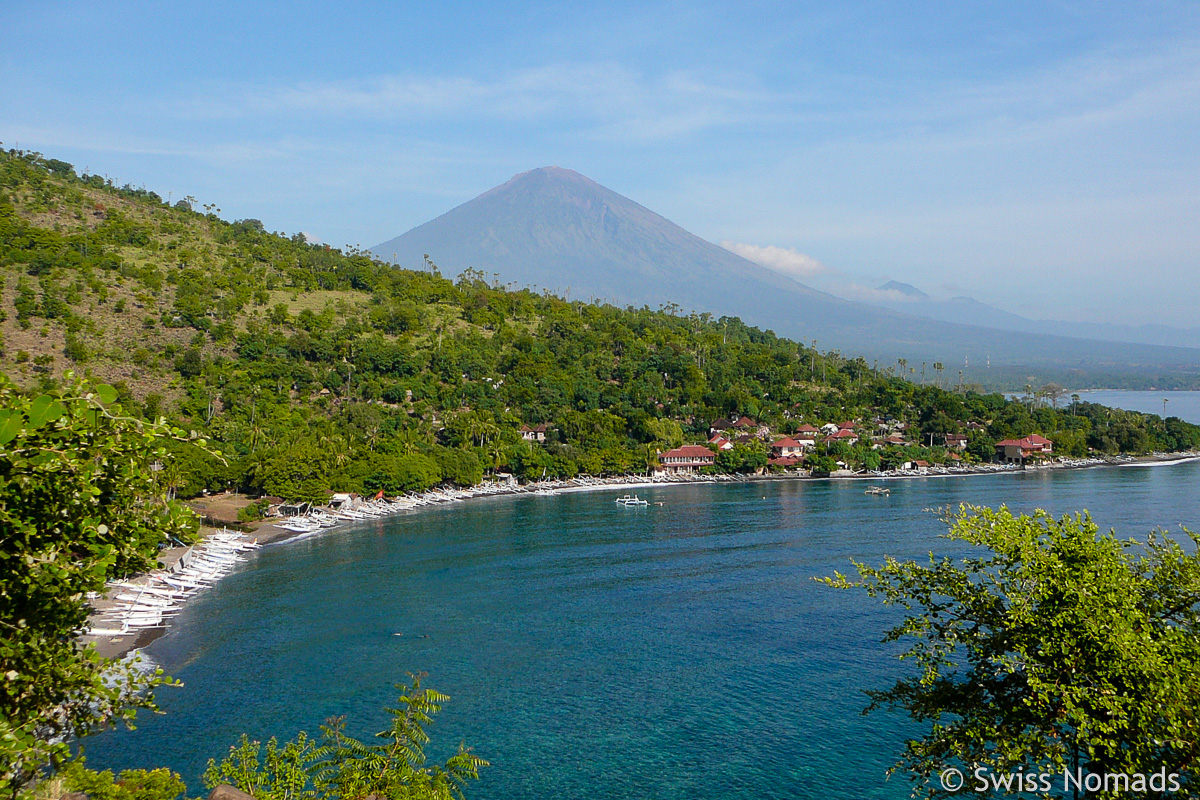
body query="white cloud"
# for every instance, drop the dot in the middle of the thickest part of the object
(855, 291)
(784, 260)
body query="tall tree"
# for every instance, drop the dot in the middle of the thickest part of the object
(1051, 648)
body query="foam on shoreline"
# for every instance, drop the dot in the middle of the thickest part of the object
(115, 648)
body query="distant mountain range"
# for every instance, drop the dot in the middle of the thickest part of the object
(969, 311)
(555, 229)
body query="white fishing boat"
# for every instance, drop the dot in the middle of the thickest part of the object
(631, 500)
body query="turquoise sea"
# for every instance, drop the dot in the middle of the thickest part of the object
(594, 651)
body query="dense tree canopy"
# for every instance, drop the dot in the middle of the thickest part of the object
(1050, 648)
(311, 369)
(79, 505)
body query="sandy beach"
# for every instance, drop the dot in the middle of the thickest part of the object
(266, 533)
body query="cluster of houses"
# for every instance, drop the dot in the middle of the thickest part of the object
(788, 452)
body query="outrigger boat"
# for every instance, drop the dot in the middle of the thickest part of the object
(877, 490)
(631, 500)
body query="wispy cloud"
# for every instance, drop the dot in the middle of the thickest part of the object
(611, 98)
(784, 260)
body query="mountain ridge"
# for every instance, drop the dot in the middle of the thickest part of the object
(556, 229)
(966, 309)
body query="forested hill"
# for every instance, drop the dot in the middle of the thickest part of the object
(314, 369)
(555, 228)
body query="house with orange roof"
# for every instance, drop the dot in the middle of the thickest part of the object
(720, 442)
(688, 458)
(846, 435)
(786, 447)
(1017, 451)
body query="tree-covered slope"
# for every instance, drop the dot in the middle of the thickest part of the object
(311, 369)
(556, 229)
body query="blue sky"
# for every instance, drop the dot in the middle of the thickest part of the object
(1042, 157)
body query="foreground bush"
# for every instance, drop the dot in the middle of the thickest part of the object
(336, 765)
(1053, 648)
(79, 505)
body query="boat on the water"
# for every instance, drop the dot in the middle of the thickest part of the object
(878, 490)
(631, 500)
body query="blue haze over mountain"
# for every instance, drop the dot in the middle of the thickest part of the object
(555, 229)
(969, 311)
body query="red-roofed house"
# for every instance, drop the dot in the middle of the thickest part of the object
(787, 447)
(688, 458)
(806, 435)
(1017, 450)
(842, 435)
(956, 441)
(745, 423)
(535, 434)
(1045, 444)
(787, 462)
(720, 442)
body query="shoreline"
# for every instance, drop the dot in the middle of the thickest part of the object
(267, 534)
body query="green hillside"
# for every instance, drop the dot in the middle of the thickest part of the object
(312, 369)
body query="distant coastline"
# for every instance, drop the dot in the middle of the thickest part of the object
(1182, 403)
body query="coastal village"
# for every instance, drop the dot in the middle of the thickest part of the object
(807, 451)
(135, 611)
(793, 452)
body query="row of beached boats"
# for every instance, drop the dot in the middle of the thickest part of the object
(357, 511)
(158, 596)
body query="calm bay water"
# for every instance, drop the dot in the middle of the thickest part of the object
(1185, 405)
(594, 651)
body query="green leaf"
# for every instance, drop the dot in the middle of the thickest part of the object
(10, 426)
(106, 393)
(44, 409)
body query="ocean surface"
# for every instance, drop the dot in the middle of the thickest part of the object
(594, 651)
(1185, 405)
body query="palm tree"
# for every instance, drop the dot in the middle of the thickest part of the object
(373, 433)
(407, 440)
(171, 478)
(495, 453)
(255, 435)
(651, 455)
(488, 432)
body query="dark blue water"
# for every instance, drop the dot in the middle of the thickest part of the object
(680, 651)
